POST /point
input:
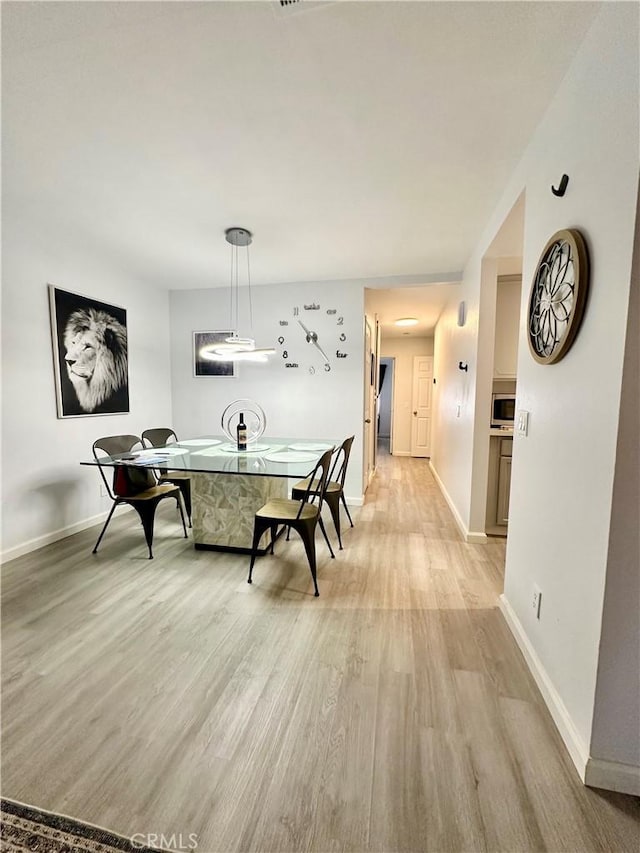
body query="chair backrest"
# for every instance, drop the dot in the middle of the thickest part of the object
(318, 481)
(340, 462)
(158, 437)
(127, 480)
(112, 445)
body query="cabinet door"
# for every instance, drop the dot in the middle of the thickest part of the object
(504, 489)
(505, 358)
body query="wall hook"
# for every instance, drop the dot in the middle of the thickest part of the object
(462, 365)
(560, 191)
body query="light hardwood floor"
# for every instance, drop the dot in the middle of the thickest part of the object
(393, 713)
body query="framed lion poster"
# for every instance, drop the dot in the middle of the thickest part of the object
(90, 355)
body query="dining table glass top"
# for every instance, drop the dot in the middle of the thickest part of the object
(267, 457)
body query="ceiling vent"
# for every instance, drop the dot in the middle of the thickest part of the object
(284, 8)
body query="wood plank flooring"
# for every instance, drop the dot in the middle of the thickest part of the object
(393, 713)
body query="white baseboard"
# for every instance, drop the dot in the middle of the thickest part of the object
(359, 501)
(613, 776)
(576, 747)
(400, 453)
(49, 538)
(478, 537)
(63, 532)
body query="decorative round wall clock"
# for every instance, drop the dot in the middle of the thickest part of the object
(313, 339)
(558, 296)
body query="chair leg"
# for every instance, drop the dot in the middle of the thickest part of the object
(258, 530)
(344, 503)
(106, 524)
(185, 488)
(184, 526)
(326, 538)
(147, 512)
(333, 502)
(274, 534)
(307, 534)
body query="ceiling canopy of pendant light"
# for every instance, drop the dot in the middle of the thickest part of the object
(238, 347)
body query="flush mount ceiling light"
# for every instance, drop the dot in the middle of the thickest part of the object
(237, 347)
(406, 321)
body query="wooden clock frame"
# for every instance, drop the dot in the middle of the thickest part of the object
(557, 303)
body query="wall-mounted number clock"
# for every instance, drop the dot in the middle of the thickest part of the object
(312, 339)
(558, 296)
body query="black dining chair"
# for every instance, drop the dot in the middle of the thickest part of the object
(303, 515)
(134, 486)
(334, 492)
(162, 437)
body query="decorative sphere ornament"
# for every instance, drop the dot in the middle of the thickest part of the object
(254, 418)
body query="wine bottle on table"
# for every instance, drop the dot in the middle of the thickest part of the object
(241, 431)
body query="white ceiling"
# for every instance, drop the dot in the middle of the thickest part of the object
(423, 303)
(357, 140)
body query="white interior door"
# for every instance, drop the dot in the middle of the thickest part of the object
(421, 405)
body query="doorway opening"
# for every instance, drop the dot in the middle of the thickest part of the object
(385, 405)
(500, 307)
(407, 317)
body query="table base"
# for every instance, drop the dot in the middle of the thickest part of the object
(224, 507)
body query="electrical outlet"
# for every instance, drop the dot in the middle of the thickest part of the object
(103, 491)
(536, 601)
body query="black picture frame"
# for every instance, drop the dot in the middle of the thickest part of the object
(90, 355)
(205, 367)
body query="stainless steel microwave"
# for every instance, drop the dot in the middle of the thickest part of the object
(503, 409)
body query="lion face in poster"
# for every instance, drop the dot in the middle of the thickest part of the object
(96, 356)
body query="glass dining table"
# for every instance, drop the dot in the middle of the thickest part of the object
(229, 485)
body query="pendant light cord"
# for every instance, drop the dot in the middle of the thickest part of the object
(237, 326)
(234, 292)
(250, 299)
(231, 325)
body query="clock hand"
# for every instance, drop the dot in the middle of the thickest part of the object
(324, 355)
(312, 338)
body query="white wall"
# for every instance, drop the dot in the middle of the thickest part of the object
(404, 350)
(297, 404)
(563, 472)
(46, 494)
(454, 407)
(616, 725)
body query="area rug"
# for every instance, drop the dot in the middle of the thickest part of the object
(26, 829)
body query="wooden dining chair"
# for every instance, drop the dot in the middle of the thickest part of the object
(162, 437)
(334, 492)
(134, 486)
(303, 515)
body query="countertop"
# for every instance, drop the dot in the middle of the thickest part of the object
(503, 433)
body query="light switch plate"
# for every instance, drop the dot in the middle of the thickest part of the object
(522, 422)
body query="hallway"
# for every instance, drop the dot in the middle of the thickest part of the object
(394, 713)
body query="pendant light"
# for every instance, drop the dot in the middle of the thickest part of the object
(237, 347)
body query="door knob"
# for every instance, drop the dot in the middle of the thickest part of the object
(367, 420)
(415, 413)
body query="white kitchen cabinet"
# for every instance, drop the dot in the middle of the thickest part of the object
(505, 354)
